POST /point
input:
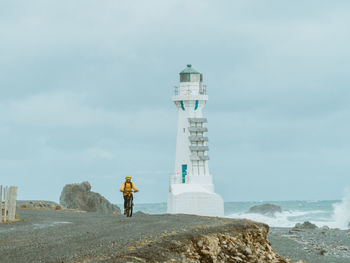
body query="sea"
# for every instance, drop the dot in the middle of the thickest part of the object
(331, 213)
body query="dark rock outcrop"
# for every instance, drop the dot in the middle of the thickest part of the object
(265, 209)
(303, 226)
(79, 196)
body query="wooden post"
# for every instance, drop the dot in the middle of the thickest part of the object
(9, 215)
(8, 196)
(15, 202)
(0, 203)
(6, 203)
(12, 202)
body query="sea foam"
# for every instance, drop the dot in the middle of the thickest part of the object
(336, 215)
(283, 219)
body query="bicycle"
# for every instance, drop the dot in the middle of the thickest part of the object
(129, 203)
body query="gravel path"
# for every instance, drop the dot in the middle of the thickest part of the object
(59, 236)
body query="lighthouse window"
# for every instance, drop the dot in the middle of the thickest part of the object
(195, 77)
(184, 129)
(186, 77)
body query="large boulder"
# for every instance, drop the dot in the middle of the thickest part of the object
(79, 196)
(265, 209)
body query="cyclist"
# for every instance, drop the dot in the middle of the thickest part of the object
(125, 188)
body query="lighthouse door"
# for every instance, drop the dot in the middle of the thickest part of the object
(184, 173)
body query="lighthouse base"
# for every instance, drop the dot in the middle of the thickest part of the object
(194, 199)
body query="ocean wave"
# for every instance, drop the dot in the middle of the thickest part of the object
(285, 218)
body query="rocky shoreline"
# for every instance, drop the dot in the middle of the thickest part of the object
(64, 236)
(238, 241)
(318, 245)
(48, 232)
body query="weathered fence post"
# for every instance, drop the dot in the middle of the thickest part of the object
(12, 206)
(9, 214)
(0, 203)
(6, 203)
(8, 200)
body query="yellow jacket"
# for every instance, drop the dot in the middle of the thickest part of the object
(127, 187)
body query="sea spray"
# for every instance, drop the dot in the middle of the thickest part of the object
(341, 214)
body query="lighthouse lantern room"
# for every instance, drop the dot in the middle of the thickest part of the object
(191, 189)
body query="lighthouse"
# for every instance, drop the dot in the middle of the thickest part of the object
(191, 189)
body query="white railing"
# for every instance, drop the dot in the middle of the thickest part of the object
(176, 90)
(8, 198)
(203, 89)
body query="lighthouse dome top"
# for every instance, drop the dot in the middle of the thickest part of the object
(189, 74)
(189, 69)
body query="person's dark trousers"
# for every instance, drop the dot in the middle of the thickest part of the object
(125, 199)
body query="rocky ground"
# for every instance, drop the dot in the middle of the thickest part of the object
(40, 205)
(65, 236)
(320, 245)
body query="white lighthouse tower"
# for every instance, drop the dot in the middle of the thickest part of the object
(191, 188)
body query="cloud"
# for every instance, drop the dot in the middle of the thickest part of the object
(68, 109)
(86, 86)
(96, 153)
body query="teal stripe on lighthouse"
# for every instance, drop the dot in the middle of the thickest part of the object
(184, 173)
(182, 105)
(196, 106)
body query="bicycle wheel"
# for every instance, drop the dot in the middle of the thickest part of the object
(130, 205)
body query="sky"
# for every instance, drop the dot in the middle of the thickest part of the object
(86, 87)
